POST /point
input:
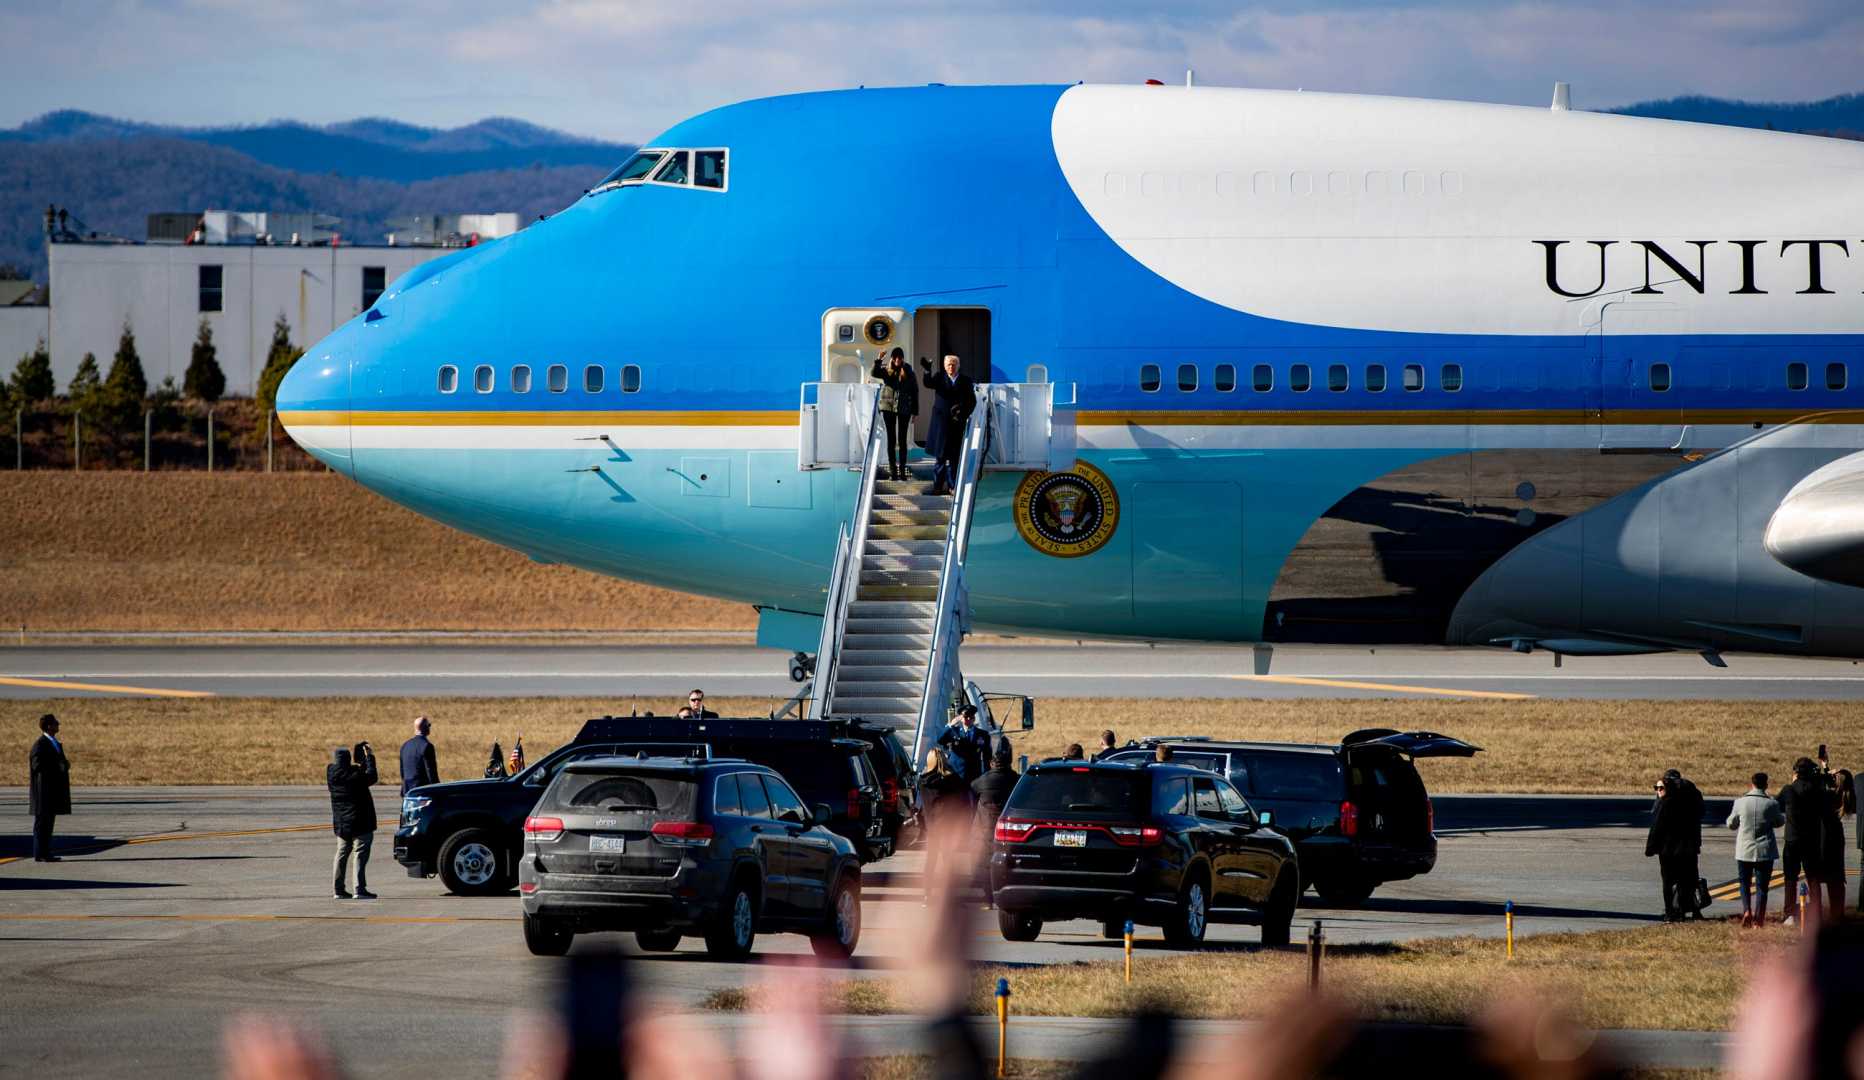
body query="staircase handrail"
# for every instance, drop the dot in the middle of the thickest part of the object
(845, 582)
(950, 612)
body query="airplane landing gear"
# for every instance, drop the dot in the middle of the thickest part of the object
(802, 666)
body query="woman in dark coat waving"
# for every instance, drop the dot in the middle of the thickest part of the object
(954, 401)
(899, 403)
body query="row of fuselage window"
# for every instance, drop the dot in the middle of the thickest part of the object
(556, 379)
(1412, 377)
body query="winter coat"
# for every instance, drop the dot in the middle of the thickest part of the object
(946, 797)
(898, 393)
(952, 404)
(1754, 817)
(51, 778)
(1676, 822)
(1804, 803)
(992, 791)
(352, 809)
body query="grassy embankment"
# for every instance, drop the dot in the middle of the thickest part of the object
(1681, 977)
(301, 551)
(1603, 747)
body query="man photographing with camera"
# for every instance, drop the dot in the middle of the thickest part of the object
(350, 775)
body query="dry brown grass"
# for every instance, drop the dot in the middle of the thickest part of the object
(914, 1067)
(1678, 977)
(1603, 747)
(170, 551)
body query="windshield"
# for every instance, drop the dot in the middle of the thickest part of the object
(635, 168)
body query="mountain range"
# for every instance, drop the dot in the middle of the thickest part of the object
(112, 173)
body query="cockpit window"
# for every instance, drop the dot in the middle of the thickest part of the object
(709, 168)
(635, 168)
(675, 171)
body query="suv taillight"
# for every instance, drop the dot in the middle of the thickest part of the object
(543, 828)
(683, 833)
(1430, 818)
(1349, 820)
(1136, 835)
(1014, 832)
(890, 794)
(854, 803)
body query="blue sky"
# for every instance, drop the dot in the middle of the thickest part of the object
(626, 69)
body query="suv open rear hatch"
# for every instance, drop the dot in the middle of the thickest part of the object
(1417, 744)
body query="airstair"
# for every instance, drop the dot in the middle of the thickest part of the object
(897, 609)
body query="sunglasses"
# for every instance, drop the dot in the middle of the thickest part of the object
(1656, 787)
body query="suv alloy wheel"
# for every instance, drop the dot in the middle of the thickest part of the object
(730, 937)
(469, 864)
(843, 929)
(1192, 915)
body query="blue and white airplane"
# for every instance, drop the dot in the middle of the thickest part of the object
(1343, 368)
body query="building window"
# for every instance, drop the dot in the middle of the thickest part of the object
(630, 378)
(1336, 377)
(1300, 378)
(449, 378)
(213, 291)
(1150, 378)
(557, 378)
(482, 378)
(1450, 377)
(1414, 377)
(1835, 377)
(1262, 377)
(1796, 376)
(374, 280)
(1375, 378)
(1187, 377)
(592, 379)
(1659, 378)
(521, 379)
(1225, 378)
(1037, 373)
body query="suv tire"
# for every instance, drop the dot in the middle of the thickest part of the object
(734, 929)
(544, 938)
(657, 940)
(1278, 916)
(470, 864)
(1348, 891)
(1016, 926)
(1191, 917)
(841, 930)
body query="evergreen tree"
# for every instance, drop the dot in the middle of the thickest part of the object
(32, 379)
(278, 361)
(125, 387)
(86, 386)
(204, 379)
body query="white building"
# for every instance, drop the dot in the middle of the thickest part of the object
(164, 290)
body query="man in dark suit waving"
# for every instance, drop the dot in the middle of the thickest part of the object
(51, 787)
(418, 762)
(955, 398)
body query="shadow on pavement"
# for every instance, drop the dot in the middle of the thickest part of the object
(33, 884)
(1485, 813)
(1489, 908)
(19, 845)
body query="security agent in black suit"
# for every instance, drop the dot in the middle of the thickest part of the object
(419, 765)
(954, 400)
(51, 787)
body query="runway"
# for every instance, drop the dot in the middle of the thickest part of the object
(1040, 670)
(177, 908)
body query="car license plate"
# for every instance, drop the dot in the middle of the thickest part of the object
(615, 844)
(1070, 839)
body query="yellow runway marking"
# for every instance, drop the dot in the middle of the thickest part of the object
(102, 688)
(55, 916)
(1399, 688)
(1731, 890)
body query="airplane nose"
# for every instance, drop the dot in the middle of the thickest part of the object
(313, 403)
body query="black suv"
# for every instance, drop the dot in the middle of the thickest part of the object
(1160, 844)
(470, 831)
(671, 846)
(1358, 812)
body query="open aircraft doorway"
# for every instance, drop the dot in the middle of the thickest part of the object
(963, 332)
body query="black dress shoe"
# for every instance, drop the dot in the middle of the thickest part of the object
(49, 858)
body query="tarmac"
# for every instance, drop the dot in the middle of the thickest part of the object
(1042, 670)
(177, 908)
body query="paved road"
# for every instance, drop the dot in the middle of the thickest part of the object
(188, 905)
(1045, 671)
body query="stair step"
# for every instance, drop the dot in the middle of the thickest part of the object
(878, 531)
(886, 516)
(866, 706)
(888, 636)
(868, 674)
(899, 575)
(888, 609)
(901, 501)
(894, 689)
(901, 548)
(869, 591)
(884, 486)
(861, 655)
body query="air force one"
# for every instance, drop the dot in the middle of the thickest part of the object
(1262, 367)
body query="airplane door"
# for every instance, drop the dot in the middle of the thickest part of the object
(1639, 377)
(1187, 559)
(852, 338)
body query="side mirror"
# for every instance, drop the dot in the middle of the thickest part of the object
(1029, 714)
(1265, 818)
(823, 813)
